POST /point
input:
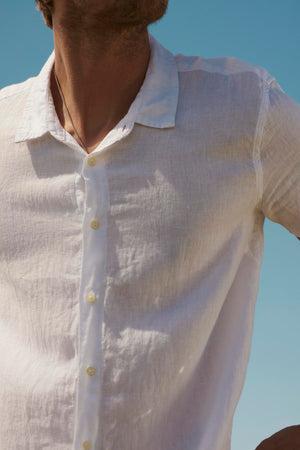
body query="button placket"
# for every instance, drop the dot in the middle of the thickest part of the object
(93, 268)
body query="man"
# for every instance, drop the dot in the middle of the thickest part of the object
(135, 184)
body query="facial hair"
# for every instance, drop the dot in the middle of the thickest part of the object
(121, 12)
(105, 22)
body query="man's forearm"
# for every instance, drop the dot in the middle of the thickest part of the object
(286, 439)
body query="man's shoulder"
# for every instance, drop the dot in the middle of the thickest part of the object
(15, 90)
(12, 102)
(223, 65)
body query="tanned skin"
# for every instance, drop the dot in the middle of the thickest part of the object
(102, 53)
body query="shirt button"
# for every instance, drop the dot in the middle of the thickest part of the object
(91, 297)
(86, 445)
(94, 224)
(91, 161)
(91, 371)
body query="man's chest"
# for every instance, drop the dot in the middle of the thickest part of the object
(165, 206)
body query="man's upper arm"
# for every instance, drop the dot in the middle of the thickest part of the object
(280, 159)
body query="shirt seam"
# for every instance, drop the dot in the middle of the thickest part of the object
(260, 126)
(220, 71)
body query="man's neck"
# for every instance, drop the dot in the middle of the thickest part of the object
(99, 78)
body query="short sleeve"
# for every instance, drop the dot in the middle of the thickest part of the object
(280, 159)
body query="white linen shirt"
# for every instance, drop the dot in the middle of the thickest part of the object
(129, 276)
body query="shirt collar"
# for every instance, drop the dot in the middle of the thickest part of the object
(155, 104)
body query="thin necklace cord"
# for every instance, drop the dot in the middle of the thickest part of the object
(62, 97)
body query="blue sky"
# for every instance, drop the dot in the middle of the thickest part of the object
(264, 33)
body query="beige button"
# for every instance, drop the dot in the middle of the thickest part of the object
(86, 445)
(91, 161)
(91, 297)
(94, 224)
(91, 371)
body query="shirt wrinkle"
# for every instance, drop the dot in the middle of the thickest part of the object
(129, 276)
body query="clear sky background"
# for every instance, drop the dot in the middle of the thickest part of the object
(265, 33)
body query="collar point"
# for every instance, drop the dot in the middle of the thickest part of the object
(19, 138)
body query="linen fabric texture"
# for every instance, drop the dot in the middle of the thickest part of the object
(129, 276)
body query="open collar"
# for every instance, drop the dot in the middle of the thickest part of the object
(155, 104)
